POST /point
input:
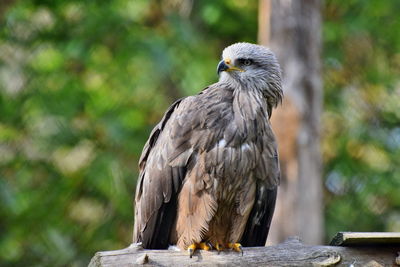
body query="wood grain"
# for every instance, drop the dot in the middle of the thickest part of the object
(290, 253)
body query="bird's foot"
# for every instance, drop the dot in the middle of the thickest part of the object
(219, 247)
(236, 247)
(203, 246)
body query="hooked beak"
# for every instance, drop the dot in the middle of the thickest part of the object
(225, 65)
(222, 67)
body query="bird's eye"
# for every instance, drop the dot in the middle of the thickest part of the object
(246, 62)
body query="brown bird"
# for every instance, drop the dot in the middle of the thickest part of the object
(209, 171)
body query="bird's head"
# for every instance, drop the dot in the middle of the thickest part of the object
(252, 66)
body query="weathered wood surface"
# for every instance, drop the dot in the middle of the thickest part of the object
(366, 238)
(290, 253)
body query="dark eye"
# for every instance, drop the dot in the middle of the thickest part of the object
(245, 61)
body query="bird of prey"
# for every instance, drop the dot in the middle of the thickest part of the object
(209, 171)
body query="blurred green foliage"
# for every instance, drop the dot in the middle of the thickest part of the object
(83, 82)
(361, 138)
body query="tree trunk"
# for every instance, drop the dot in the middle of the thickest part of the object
(295, 37)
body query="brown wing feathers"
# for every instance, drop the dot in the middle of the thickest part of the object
(257, 227)
(192, 146)
(155, 209)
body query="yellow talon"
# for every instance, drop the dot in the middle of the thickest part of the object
(236, 247)
(218, 247)
(204, 246)
(191, 249)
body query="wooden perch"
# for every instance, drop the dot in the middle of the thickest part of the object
(363, 239)
(290, 253)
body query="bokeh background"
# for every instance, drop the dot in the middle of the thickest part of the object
(82, 83)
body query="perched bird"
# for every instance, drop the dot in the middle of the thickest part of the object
(209, 171)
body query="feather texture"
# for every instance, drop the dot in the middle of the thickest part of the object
(210, 169)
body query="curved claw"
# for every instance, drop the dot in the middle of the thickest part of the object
(236, 247)
(240, 249)
(218, 247)
(202, 246)
(191, 249)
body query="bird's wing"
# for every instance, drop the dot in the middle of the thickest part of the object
(268, 175)
(157, 189)
(164, 164)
